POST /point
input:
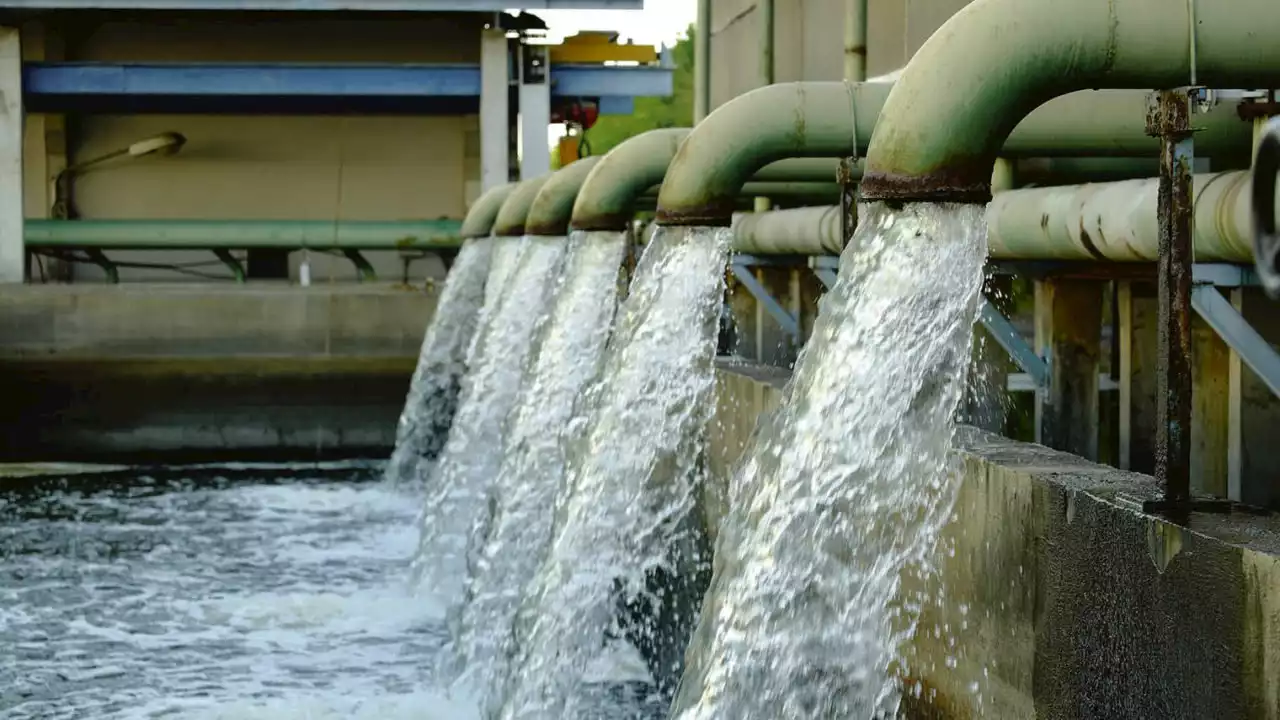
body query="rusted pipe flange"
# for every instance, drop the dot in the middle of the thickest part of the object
(1266, 238)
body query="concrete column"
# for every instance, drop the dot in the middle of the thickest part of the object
(535, 112)
(12, 250)
(1210, 406)
(495, 85)
(1137, 376)
(1070, 311)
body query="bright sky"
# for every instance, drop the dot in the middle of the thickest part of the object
(659, 23)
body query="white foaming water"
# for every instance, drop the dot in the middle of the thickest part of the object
(566, 357)
(846, 488)
(458, 494)
(442, 362)
(200, 598)
(628, 552)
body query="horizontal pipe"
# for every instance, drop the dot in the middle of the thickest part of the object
(552, 207)
(996, 61)
(241, 234)
(1042, 172)
(834, 119)
(799, 170)
(515, 210)
(1118, 221)
(482, 213)
(799, 231)
(1111, 222)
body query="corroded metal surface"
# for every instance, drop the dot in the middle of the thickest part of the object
(1169, 118)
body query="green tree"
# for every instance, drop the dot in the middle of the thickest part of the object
(675, 110)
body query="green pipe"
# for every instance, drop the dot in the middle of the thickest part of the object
(798, 119)
(1076, 171)
(241, 234)
(484, 211)
(551, 209)
(995, 61)
(835, 119)
(609, 195)
(515, 209)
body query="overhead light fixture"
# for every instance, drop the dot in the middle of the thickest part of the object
(164, 144)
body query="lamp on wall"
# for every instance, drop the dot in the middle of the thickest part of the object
(166, 143)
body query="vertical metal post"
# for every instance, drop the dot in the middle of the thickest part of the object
(1169, 118)
(855, 40)
(848, 200)
(764, 10)
(702, 62)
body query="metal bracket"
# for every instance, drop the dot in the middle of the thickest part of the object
(787, 321)
(364, 270)
(237, 270)
(1236, 332)
(1008, 337)
(99, 258)
(827, 268)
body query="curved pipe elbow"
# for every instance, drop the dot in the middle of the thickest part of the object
(515, 209)
(553, 206)
(995, 61)
(608, 197)
(785, 120)
(484, 211)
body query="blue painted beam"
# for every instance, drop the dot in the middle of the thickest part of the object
(69, 79)
(322, 5)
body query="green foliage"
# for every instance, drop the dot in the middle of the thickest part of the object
(675, 110)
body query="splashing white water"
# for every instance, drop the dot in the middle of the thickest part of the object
(458, 493)
(565, 359)
(846, 488)
(628, 555)
(433, 392)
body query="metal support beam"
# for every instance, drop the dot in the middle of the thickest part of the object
(827, 268)
(1008, 337)
(1231, 326)
(233, 264)
(1169, 118)
(787, 321)
(364, 271)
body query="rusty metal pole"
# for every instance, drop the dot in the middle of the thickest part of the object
(848, 179)
(1169, 118)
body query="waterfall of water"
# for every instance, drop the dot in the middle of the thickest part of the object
(845, 490)
(459, 494)
(433, 392)
(628, 555)
(567, 357)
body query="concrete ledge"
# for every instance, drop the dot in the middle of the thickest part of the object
(103, 321)
(192, 373)
(1063, 600)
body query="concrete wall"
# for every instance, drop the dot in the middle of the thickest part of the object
(809, 39)
(1063, 600)
(258, 166)
(140, 373)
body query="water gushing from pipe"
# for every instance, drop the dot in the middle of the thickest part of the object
(459, 491)
(442, 362)
(567, 358)
(628, 555)
(846, 488)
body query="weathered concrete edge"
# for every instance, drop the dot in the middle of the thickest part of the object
(1045, 548)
